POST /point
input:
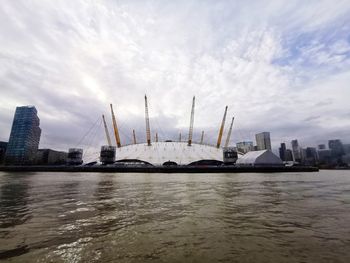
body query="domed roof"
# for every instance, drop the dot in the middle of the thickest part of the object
(161, 152)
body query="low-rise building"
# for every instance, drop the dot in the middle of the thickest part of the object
(3, 146)
(245, 146)
(50, 157)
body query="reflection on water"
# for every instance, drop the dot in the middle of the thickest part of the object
(13, 212)
(13, 202)
(59, 217)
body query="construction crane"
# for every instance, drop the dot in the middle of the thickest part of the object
(202, 137)
(229, 133)
(116, 132)
(106, 131)
(221, 129)
(148, 129)
(134, 136)
(190, 133)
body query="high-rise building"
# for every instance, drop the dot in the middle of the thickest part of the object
(311, 156)
(346, 156)
(289, 155)
(296, 151)
(283, 152)
(321, 146)
(336, 147)
(346, 148)
(25, 136)
(263, 141)
(244, 147)
(325, 157)
(303, 155)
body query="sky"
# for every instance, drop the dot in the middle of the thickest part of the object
(280, 66)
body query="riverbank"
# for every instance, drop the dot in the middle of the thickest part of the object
(159, 169)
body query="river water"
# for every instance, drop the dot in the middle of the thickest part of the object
(91, 217)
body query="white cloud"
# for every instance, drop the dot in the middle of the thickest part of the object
(72, 58)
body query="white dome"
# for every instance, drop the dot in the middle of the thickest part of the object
(161, 152)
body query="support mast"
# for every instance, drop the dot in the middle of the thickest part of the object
(202, 137)
(190, 133)
(116, 132)
(106, 131)
(229, 133)
(148, 129)
(134, 136)
(221, 129)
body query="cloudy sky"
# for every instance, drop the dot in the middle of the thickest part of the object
(280, 66)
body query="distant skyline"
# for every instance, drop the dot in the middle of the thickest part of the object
(280, 66)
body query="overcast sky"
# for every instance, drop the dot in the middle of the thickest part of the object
(280, 66)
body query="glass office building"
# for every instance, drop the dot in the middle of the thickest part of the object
(263, 141)
(25, 136)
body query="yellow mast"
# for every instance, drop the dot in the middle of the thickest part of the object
(190, 133)
(134, 136)
(202, 137)
(106, 131)
(148, 129)
(221, 129)
(116, 132)
(229, 133)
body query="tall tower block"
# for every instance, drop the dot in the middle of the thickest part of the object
(25, 136)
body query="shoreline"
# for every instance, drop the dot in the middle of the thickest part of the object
(159, 169)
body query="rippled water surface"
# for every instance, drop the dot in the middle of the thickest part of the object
(63, 217)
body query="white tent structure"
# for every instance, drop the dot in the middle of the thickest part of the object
(259, 158)
(160, 152)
